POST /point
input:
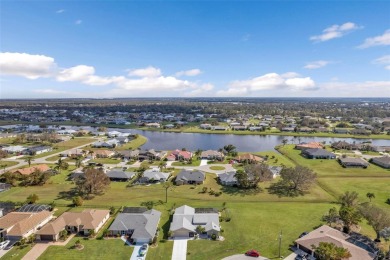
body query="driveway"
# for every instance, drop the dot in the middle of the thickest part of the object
(134, 255)
(179, 251)
(203, 162)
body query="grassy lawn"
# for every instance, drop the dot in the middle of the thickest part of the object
(133, 144)
(17, 253)
(217, 168)
(195, 162)
(7, 164)
(106, 160)
(332, 167)
(93, 249)
(379, 186)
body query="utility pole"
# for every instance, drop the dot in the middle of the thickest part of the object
(280, 243)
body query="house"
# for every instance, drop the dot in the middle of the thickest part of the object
(353, 162)
(249, 158)
(310, 145)
(317, 153)
(140, 224)
(104, 153)
(186, 220)
(275, 170)
(112, 134)
(340, 131)
(150, 154)
(154, 175)
(18, 225)
(29, 170)
(122, 139)
(14, 149)
(190, 177)
(205, 126)
(119, 175)
(129, 155)
(178, 155)
(153, 125)
(75, 222)
(112, 143)
(212, 155)
(382, 161)
(359, 250)
(219, 128)
(239, 128)
(77, 173)
(228, 178)
(342, 145)
(35, 150)
(73, 153)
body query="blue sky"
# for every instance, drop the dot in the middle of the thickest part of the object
(105, 49)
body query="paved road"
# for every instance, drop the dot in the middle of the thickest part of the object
(179, 251)
(21, 162)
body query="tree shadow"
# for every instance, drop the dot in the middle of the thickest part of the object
(67, 195)
(282, 189)
(236, 191)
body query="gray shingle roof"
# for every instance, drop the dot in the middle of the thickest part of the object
(119, 174)
(144, 224)
(191, 175)
(186, 218)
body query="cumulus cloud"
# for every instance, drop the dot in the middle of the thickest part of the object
(86, 75)
(49, 91)
(202, 91)
(385, 60)
(271, 81)
(26, 65)
(146, 72)
(335, 31)
(355, 89)
(316, 64)
(381, 40)
(188, 73)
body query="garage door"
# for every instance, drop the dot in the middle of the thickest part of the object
(142, 240)
(46, 237)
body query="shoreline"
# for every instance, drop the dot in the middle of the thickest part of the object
(201, 131)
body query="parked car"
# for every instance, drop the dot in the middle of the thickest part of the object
(143, 249)
(4, 244)
(252, 253)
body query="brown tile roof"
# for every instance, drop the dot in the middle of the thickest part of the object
(104, 152)
(22, 222)
(310, 145)
(29, 170)
(331, 235)
(249, 157)
(89, 218)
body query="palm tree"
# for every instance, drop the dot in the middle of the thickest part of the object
(370, 196)
(61, 165)
(78, 161)
(3, 166)
(28, 160)
(284, 142)
(162, 165)
(167, 185)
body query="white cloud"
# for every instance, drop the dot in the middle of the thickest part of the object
(246, 37)
(60, 11)
(86, 75)
(78, 22)
(148, 72)
(383, 39)
(155, 83)
(316, 64)
(189, 73)
(26, 65)
(271, 81)
(335, 31)
(384, 60)
(202, 91)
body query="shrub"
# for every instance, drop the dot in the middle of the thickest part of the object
(77, 201)
(214, 237)
(112, 210)
(227, 219)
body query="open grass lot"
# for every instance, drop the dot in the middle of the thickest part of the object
(326, 168)
(195, 162)
(17, 253)
(106, 160)
(380, 186)
(7, 164)
(93, 249)
(133, 144)
(77, 141)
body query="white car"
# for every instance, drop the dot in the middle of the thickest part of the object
(4, 244)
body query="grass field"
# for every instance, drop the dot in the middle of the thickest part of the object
(256, 217)
(217, 168)
(195, 162)
(326, 168)
(133, 144)
(7, 164)
(78, 141)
